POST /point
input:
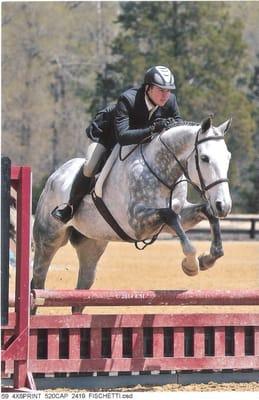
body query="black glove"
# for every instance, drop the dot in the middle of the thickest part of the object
(159, 125)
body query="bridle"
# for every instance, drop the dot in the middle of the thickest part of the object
(203, 188)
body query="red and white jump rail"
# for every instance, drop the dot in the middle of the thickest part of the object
(63, 298)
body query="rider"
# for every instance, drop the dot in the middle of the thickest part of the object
(138, 114)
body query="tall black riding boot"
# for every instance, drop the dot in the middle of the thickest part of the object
(80, 187)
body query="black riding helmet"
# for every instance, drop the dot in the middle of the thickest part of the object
(159, 76)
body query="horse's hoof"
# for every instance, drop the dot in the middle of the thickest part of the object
(206, 261)
(190, 269)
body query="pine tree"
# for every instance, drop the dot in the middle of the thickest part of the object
(250, 192)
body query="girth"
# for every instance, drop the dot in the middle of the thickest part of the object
(105, 213)
(108, 217)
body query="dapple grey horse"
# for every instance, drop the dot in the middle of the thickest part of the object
(146, 193)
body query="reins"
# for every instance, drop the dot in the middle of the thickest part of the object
(183, 169)
(152, 171)
(132, 150)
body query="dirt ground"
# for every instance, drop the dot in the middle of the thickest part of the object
(159, 267)
(209, 387)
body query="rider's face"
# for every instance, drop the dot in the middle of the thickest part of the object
(158, 95)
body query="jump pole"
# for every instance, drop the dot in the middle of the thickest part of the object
(63, 298)
(17, 348)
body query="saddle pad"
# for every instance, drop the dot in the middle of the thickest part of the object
(106, 170)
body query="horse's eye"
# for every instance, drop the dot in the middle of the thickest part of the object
(205, 158)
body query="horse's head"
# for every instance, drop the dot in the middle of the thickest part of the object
(208, 166)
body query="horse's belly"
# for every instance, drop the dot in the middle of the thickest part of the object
(91, 224)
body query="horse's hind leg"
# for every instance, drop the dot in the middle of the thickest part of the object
(89, 252)
(42, 259)
(45, 249)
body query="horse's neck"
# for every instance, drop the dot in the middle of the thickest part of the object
(181, 140)
(178, 141)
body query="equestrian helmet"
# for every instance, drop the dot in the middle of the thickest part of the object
(159, 76)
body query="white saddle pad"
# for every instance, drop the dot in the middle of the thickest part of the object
(106, 170)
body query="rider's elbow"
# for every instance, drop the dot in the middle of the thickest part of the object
(121, 139)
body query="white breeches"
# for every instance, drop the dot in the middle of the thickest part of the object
(94, 155)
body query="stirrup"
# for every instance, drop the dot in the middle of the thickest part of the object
(63, 214)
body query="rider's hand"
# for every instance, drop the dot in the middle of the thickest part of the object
(159, 125)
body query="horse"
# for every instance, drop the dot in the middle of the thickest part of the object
(146, 193)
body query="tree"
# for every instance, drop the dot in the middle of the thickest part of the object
(51, 52)
(250, 192)
(205, 49)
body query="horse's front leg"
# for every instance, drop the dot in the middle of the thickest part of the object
(190, 263)
(192, 215)
(207, 260)
(145, 221)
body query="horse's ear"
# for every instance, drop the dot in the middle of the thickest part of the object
(223, 128)
(206, 124)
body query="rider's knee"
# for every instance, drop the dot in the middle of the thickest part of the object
(93, 158)
(88, 169)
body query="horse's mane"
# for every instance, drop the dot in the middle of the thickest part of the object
(172, 123)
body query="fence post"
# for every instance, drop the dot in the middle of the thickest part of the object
(5, 228)
(252, 231)
(22, 289)
(17, 348)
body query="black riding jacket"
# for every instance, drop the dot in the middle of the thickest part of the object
(128, 121)
(132, 123)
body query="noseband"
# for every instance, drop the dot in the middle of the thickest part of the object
(203, 188)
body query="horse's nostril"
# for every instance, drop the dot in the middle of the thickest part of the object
(219, 205)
